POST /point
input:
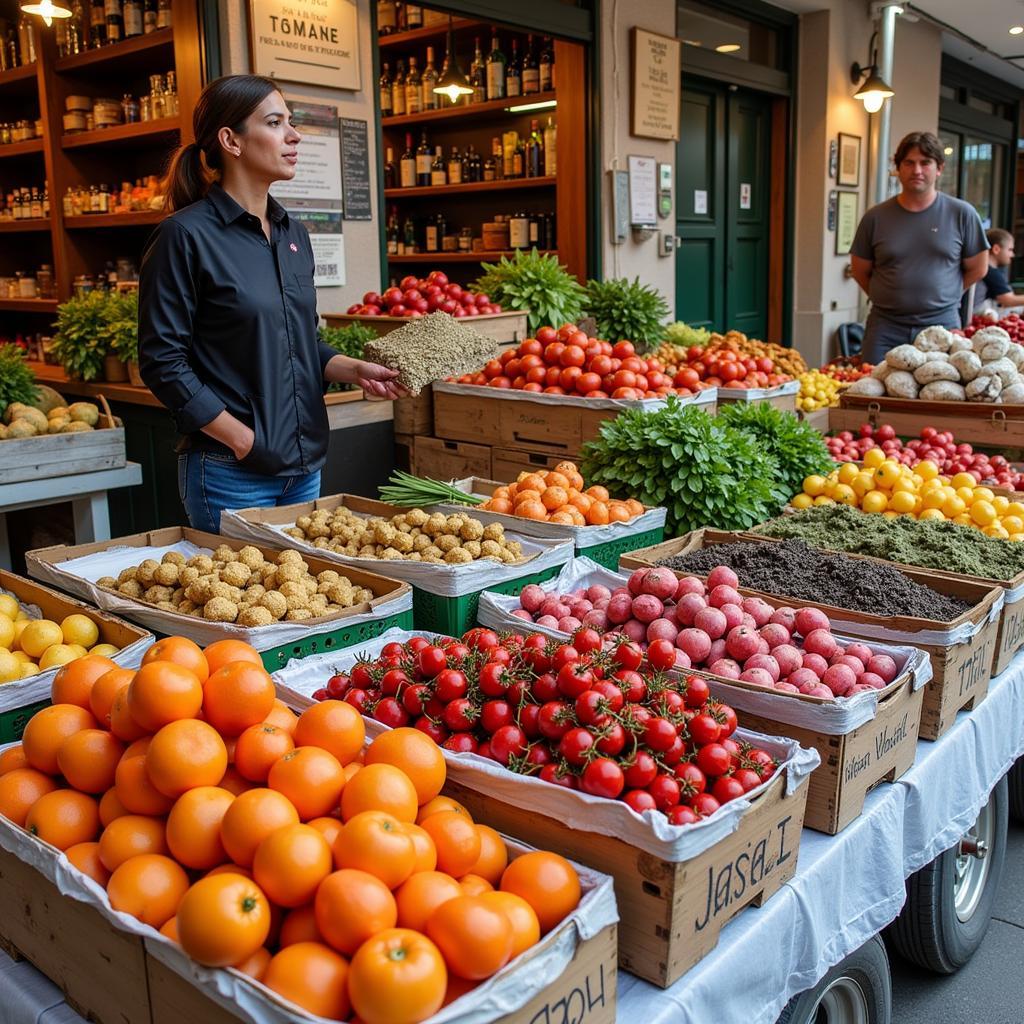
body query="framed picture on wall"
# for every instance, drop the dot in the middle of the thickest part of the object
(849, 161)
(847, 216)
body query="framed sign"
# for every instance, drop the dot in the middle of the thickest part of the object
(849, 161)
(315, 42)
(847, 216)
(643, 193)
(654, 103)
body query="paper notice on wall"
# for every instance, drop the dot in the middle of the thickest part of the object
(745, 195)
(700, 201)
(324, 227)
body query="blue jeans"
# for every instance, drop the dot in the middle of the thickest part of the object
(209, 483)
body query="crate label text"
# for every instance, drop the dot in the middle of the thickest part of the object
(578, 1005)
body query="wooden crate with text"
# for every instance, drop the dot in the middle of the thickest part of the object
(449, 460)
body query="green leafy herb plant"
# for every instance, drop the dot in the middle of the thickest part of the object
(121, 316)
(17, 382)
(627, 309)
(81, 341)
(680, 333)
(538, 285)
(348, 341)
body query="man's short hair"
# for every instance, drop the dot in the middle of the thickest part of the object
(999, 236)
(927, 143)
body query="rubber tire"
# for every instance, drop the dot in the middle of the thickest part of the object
(928, 932)
(1015, 778)
(869, 967)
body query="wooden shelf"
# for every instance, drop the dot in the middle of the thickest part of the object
(21, 148)
(123, 134)
(471, 112)
(28, 305)
(139, 218)
(15, 227)
(423, 36)
(470, 186)
(21, 79)
(462, 257)
(134, 53)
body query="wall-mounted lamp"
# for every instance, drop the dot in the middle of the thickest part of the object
(872, 89)
(453, 83)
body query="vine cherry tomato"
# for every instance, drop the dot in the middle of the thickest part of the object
(661, 655)
(602, 777)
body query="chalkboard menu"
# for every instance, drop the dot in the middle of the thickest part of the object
(355, 169)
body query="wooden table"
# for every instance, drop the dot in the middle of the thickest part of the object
(87, 493)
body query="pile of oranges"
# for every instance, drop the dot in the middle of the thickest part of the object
(280, 845)
(558, 496)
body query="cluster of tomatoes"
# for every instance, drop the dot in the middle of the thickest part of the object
(417, 296)
(282, 846)
(728, 368)
(847, 369)
(1012, 324)
(569, 362)
(608, 722)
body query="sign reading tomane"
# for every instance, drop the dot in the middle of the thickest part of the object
(311, 41)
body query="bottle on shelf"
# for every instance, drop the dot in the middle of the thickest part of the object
(114, 20)
(531, 69)
(550, 149)
(398, 91)
(97, 24)
(478, 75)
(518, 231)
(519, 158)
(413, 91)
(514, 73)
(498, 156)
(423, 161)
(393, 232)
(409, 237)
(455, 167)
(429, 80)
(132, 15)
(546, 66)
(74, 33)
(387, 17)
(490, 170)
(413, 16)
(386, 108)
(438, 170)
(149, 13)
(390, 172)
(407, 167)
(495, 71)
(534, 151)
(472, 166)
(163, 14)
(433, 234)
(26, 40)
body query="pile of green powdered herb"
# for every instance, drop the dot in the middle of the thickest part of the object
(929, 544)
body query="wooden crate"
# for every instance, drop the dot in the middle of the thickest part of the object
(960, 672)
(508, 463)
(50, 455)
(819, 419)
(506, 327)
(403, 452)
(670, 914)
(414, 415)
(878, 751)
(787, 403)
(449, 460)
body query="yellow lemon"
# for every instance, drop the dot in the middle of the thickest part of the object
(10, 667)
(874, 501)
(1015, 508)
(873, 458)
(1013, 524)
(1001, 503)
(56, 655)
(814, 485)
(6, 631)
(963, 519)
(887, 474)
(29, 668)
(964, 480)
(21, 616)
(823, 499)
(902, 502)
(983, 513)
(1017, 536)
(995, 530)
(862, 483)
(933, 499)
(926, 469)
(952, 507)
(80, 629)
(38, 635)
(844, 495)
(19, 628)
(847, 472)
(21, 656)
(9, 606)
(983, 494)
(889, 514)
(800, 501)
(966, 494)
(106, 650)
(80, 651)
(905, 484)
(932, 513)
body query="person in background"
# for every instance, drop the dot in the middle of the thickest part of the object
(227, 314)
(994, 291)
(916, 254)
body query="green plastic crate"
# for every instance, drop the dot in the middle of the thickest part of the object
(607, 554)
(13, 721)
(452, 616)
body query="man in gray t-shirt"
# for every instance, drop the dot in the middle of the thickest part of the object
(917, 253)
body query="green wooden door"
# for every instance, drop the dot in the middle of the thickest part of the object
(723, 209)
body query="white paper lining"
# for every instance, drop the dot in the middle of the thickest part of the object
(79, 575)
(706, 397)
(651, 831)
(791, 387)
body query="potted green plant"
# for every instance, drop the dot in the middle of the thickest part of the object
(538, 285)
(80, 343)
(627, 309)
(122, 332)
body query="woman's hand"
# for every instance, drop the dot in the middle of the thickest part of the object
(379, 381)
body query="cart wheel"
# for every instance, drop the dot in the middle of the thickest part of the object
(858, 990)
(1015, 779)
(949, 902)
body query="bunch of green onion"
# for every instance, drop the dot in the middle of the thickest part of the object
(408, 491)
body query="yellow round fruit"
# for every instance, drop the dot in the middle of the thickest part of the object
(21, 656)
(57, 655)
(984, 494)
(964, 480)
(844, 495)
(823, 499)
(995, 530)
(926, 469)
(1015, 508)
(873, 458)
(814, 485)
(80, 651)
(19, 628)
(1001, 504)
(847, 472)
(887, 474)
(802, 501)
(952, 507)
(905, 484)
(1013, 524)
(902, 502)
(38, 635)
(862, 483)
(106, 650)
(9, 606)
(889, 514)
(1017, 536)
(10, 667)
(80, 629)
(983, 513)
(933, 499)
(874, 501)
(6, 632)
(963, 519)
(932, 513)
(966, 494)
(29, 668)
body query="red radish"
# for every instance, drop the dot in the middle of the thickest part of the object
(789, 658)
(695, 642)
(733, 615)
(647, 608)
(659, 583)
(871, 680)
(760, 610)
(741, 643)
(802, 677)
(620, 609)
(820, 641)
(597, 592)
(757, 676)
(548, 622)
(712, 621)
(532, 597)
(861, 651)
(636, 581)
(765, 661)
(839, 679)
(662, 629)
(810, 619)
(635, 630)
(687, 608)
(724, 594)
(854, 664)
(725, 667)
(775, 634)
(598, 619)
(815, 662)
(569, 624)
(882, 665)
(689, 585)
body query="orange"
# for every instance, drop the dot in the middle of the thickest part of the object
(170, 929)
(419, 896)
(634, 506)
(122, 725)
(531, 510)
(311, 778)
(598, 493)
(376, 842)
(457, 840)
(63, 818)
(255, 965)
(149, 887)
(438, 804)
(194, 824)
(412, 752)
(474, 885)
(380, 787)
(283, 717)
(299, 925)
(457, 987)
(186, 754)
(618, 513)
(532, 482)
(350, 907)
(250, 819)
(180, 651)
(522, 917)
(74, 681)
(104, 690)
(258, 748)
(13, 757)
(553, 498)
(290, 864)
(426, 852)
(223, 920)
(597, 514)
(557, 479)
(227, 652)
(327, 827)
(85, 857)
(474, 937)
(130, 836)
(312, 976)
(548, 882)
(48, 729)
(334, 726)
(236, 696)
(234, 783)
(88, 760)
(19, 790)
(503, 505)
(111, 807)
(131, 783)
(230, 869)
(399, 975)
(581, 502)
(493, 857)
(163, 692)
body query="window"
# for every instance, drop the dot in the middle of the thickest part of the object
(741, 38)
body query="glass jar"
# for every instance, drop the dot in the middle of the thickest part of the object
(466, 240)
(26, 286)
(5, 134)
(130, 107)
(44, 281)
(145, 109)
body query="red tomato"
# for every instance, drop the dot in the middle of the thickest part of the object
(552, 376)
(572, 355)
(500, 382)
(623, 349)
(545, 335)
(531, 347)
(553, 353)
(588, 382)
(624, 379)
(569, 376)
(600, 365)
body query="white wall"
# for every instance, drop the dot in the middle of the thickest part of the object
(362, 238)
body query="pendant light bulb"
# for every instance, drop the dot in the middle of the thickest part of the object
(47, 10)
(453, 82)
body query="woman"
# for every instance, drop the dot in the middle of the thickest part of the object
(227, 314)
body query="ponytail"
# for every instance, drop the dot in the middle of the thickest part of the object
(225, 103)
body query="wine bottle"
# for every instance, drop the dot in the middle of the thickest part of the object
(387, 17)
(495, 71)
(550, 149)
(97, 24)
(390, 173)
(546, 68)
(407, 166)
(478, 76)
(531, 70)
(386, 107)
(438, 174)
(398, 91)
(423, 161)
(455, 167)
(534, 151)
(429, 79)
(413, 93)
(513, 73)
